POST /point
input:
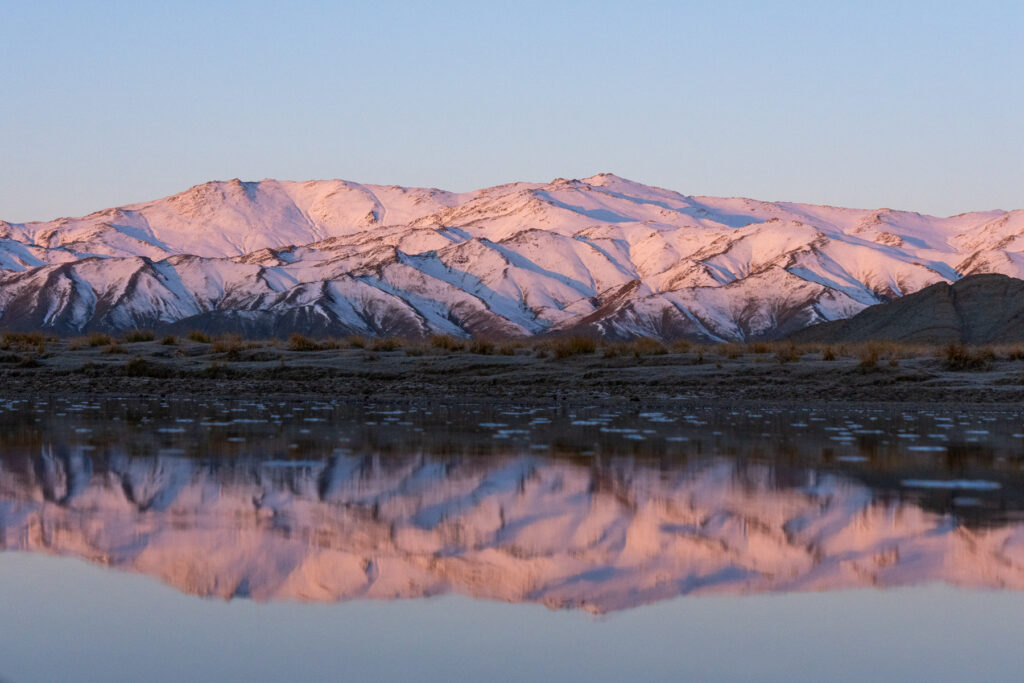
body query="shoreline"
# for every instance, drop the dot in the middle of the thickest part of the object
(694, 377)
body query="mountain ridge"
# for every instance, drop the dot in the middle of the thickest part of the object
(602, 256)
(978, 309)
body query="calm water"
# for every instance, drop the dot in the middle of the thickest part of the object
(243, 541)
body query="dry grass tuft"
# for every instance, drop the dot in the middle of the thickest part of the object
(869, 357)
(731, 350)
(113, 347)
(446, 342)
(787, 353)
(483, 347)
(23, 341)
(386, 344)
(509, 348)
(960, 357)
(681, 346)
(133, 336)
(99, 339)
(646, 346)
(298, 342)
(573, 346)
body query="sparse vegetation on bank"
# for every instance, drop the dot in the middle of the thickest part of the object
(956, 356)
(530, 369)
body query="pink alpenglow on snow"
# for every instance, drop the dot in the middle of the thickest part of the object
(602, 255)
(512, 529)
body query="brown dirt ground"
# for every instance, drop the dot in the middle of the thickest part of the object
(194, 369)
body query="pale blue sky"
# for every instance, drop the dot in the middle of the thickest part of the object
(916, 105)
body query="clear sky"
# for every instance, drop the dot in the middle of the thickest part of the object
(915, 105)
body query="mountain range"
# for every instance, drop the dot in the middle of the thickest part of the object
(600, 256)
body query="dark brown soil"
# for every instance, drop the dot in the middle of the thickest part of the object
(193, 369)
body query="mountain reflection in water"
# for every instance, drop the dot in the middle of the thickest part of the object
(606, 524)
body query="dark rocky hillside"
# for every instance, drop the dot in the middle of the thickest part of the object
(979, 309)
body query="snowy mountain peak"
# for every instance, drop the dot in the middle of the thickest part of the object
(520, 258)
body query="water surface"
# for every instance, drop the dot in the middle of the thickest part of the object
(218, 540)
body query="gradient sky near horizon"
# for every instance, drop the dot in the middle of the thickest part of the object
(911, 105)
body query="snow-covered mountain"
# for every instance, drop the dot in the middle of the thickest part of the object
(519, 529)
(602, 255)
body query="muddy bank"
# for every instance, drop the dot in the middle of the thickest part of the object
(196, 369)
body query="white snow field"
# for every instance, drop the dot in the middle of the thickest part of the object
(601, 256)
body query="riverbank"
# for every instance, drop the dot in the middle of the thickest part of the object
(697, 374)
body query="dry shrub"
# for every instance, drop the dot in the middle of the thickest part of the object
(871, 353)
(614, 350)
(356, 341)
(132, 336)
(730, 350)
(99, 339)
(113, 347)
(1013, 352)
(759, 347)
(869, 356)
(828, 354)
(960, 357)
(169, 340)
(226, 343)
(446, 342)
(481, 346)
(298, 342)
(508, 348)
(386, 344)
(646, 346)
(197, 336)
(681, 346)
(787, 353)
(573, 346)
(23, 341)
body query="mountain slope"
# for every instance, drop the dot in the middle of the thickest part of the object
(979, 309)
(602, 255)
